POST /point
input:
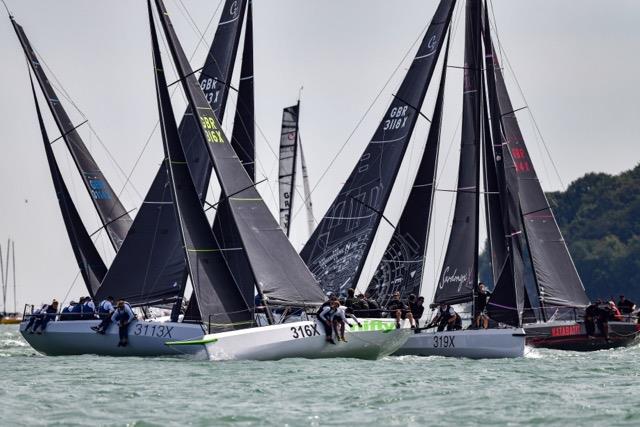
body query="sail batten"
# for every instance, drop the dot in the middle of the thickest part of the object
(280, 275)
(338, 248)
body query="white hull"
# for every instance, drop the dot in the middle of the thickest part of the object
(473, 343)
(377, 338)
(146, 338)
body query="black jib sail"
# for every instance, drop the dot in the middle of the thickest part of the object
(459, 270)
(558, 281)
(91, 265)
(243, 135)
(115, 219)
(287, 169)
(221, 303)
(280, 274)
(401, 267)
(150, 266)
(338, 248)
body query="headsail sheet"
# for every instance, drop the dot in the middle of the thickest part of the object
(338, 248)
(115, 219)
(287, 169)
(151, 265)
(91, 265)
(220, 302)
(558, 281)
(243, 135)
(459, 270)
(279, 273)
(401, 267)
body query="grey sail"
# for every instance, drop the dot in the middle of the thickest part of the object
(307, 191)
(150, 266)
(221, 304)
(459, 270)
(280, 275)
(243, 135)
(287, 163)
(90, 262)
(338, 248)
(558, 281)
(115, 219)
(401, 267)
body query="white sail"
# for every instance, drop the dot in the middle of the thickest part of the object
(307, 191)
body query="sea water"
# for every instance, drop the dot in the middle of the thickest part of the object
(550, 388)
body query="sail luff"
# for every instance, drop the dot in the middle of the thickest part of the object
(279, 272)
(287, 163)
(307, 191)
(458, 278)
(402, 266)
(338, 248)
(220, 302)
(113, 215)
(92, 267)
(243, 135)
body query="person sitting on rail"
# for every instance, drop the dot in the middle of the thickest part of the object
(350, 302)
(88, 309)
(46, 315)
(399, 310)
(66, 312)
(123, 315)
(626, 307)
(339, 319)
(615, 314)
(590, 318)
(446, 317)
(373, 306)
(417, 310)
(325, 314)
(480, 307)
(35, 315)
(105, 311)
(361, 306)
(77, 310)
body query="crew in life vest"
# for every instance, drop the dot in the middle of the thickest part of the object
(447, 317)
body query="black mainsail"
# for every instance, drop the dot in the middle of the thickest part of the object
(401, 267)
(243, 135)
(150, 266)
(91, 265)
(459, 270)
(280, 275)
(115, 218)
(558, 281)
(338, 248)
(221, 304)
(287, 163)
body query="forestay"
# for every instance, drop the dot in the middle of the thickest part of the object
(338, 248)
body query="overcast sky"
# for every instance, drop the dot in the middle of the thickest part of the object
(576, 63)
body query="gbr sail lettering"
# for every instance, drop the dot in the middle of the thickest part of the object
(211, 131)
(398, 118)
(210, 88)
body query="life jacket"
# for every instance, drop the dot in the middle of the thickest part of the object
(102, 307)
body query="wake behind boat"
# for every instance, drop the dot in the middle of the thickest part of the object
(375, 338)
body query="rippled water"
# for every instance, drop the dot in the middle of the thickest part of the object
(544, 388)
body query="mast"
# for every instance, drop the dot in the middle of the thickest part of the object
(458, 278)
(4, 287)
(92, 267)
(243, 135)
(288, 163)
(115, 219)
(402, 265)
(151, 267)
(337, 250)
(220, 302)
(307, 191)
(278, 271)
(13, 256)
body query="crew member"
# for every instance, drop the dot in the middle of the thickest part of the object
(66, 312)
(88, 309)
(105, 311)
(480, 307)
(123, 315)
(374, 307)
(326, 318)
(339, 319)
(399, 310)
(446, 317)
(417, 310)
(626, 306)
(590, 318)
(46, 315)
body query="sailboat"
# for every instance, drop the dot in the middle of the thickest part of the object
(290, 147)
(282, 279)
(149, 267)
